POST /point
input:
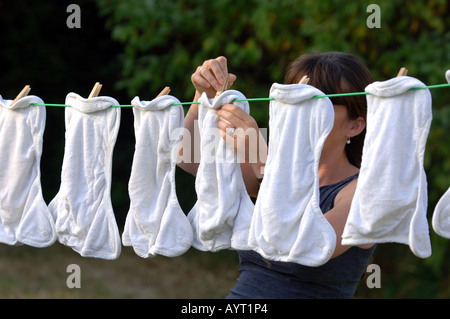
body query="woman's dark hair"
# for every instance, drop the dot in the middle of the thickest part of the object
(336, 72)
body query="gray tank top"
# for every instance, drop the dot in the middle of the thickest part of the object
(338, 278)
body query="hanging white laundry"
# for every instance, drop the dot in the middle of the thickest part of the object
(390, 201)
(82, 208)
(156, 224)
(24, 215)
(288, 224)
(441, 215)
(221, 216)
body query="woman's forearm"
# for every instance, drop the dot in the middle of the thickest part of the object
(189, 149)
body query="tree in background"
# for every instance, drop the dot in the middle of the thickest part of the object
(164, 41)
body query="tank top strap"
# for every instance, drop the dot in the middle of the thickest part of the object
(328, 192)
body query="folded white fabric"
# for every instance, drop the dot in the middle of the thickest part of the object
(82, 208)
(288, 224)
(24, 215)
(441, 215)
(390, 201)
(156, 224)
(222, 214)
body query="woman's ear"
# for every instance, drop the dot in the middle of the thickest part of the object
(356, 127)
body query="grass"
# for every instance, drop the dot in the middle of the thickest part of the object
(41, 273)
(27, 272)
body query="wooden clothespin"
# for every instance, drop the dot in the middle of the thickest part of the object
(403, 72)
(222, 89)
(22, 93)
(304, 80)
(165, 91)
(95, 90)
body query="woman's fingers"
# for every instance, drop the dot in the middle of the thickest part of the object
(211, 76)
(199, 80)
(236, 116)
(241, 132)
(218, 68)
(212, 73)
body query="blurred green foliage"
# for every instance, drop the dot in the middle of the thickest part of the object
(164, 41)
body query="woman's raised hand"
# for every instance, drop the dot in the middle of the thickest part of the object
(211, 76)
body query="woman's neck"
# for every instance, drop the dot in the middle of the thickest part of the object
(333, 169)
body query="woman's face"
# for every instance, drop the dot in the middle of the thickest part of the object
(343, 129)
(339, 133)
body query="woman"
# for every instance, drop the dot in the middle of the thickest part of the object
(331, 72)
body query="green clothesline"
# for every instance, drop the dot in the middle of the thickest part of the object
(263, 98)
